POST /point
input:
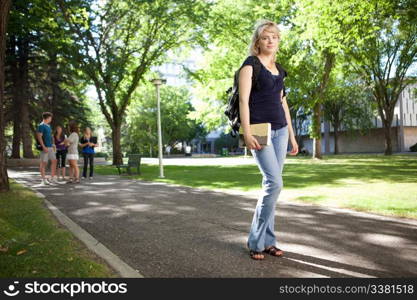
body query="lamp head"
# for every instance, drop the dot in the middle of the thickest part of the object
(158, 81)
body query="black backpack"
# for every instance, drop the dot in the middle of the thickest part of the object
(232, 109)
(37, 144)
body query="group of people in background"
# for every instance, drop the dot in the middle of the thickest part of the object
(57, 147)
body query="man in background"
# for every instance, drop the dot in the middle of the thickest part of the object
(44, 136)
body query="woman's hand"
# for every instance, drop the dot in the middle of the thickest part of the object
(251, 142)
(294, 146)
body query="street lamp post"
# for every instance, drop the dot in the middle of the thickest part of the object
(157, 82)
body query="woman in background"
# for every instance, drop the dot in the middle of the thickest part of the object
(72, 156)
(61, 150)
(88, 143)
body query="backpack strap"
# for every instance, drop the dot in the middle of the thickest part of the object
(256, 70)
(282, 71)
(257, 65)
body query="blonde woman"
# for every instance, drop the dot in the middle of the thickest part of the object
(265, 104)
(88, 142)
(72, 156)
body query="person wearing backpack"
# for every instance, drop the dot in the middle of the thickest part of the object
(47, 148)
(264, 101)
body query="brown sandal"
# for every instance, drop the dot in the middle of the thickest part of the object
(252, 254)
(273, 251)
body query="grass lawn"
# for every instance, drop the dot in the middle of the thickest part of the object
(34, 244)
(367, 182)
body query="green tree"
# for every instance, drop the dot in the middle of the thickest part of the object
(141, 134)
(385, 48)
(116, 42)
(226, 141)
(348, 101)
(377, 38)
(40, 76)
(4, 14)
(20, 46)
(229, 30)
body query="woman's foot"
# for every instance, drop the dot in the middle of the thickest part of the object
(256, 255)
(274, 251)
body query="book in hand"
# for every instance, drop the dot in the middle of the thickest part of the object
(260, 131)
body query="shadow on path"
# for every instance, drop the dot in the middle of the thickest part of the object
(170, 231)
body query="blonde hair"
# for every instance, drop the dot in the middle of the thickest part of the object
(87, 129)
(260, 26)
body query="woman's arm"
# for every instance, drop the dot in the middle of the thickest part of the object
(83, 144)
(70, 140)
(290, 129)
(245, 85)
(56, 141)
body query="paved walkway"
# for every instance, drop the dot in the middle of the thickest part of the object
(165, 230)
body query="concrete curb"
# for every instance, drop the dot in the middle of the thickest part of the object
(94, 245)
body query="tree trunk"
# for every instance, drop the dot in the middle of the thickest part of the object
(317, 131)
(329, 61)
(117, 149)
(27, 138)
(388, 140)
(389, 113)
(386, 114)
(336, 140)
(4, 13)
(54, 86)
(336, 126)
(15, 97)
(16, 136)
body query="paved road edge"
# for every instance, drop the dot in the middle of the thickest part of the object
(94, 245)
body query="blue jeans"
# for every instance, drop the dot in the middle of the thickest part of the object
(270, 160)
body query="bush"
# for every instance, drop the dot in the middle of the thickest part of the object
(413, 148)
(102, 154)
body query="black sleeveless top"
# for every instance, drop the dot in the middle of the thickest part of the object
(265, 102)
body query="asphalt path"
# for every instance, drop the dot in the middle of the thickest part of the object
(165, 230)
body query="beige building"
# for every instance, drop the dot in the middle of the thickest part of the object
(403, 130)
